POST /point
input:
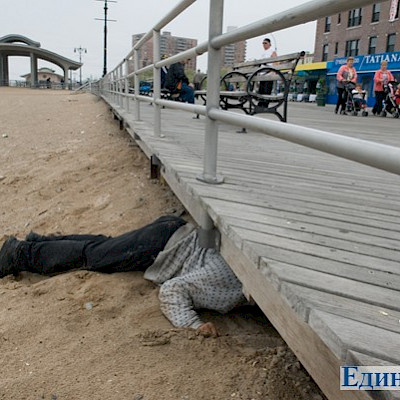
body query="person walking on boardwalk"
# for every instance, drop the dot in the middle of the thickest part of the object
(190, 277)
(347, 73)
(381, 79)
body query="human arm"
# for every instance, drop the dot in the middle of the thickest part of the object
(207, 283)
(176, 304)
(339, 75)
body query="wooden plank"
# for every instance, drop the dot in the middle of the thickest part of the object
(284, 57)
(265, 215)
(298, 248)
(303, 300)
(288, 205)
(322, 239)
(279, 272)
(289, 188)
(235, 213)
(341, 334)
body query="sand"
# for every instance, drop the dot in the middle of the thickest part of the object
(66, 167)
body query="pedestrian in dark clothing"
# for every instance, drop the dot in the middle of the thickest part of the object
(176, 81)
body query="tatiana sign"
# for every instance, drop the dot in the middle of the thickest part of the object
(368, 63)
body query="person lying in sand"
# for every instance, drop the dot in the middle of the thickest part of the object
(190, 277)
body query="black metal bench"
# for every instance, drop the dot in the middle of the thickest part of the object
(259, 86)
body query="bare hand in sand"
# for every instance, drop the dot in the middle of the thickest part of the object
(207, 329)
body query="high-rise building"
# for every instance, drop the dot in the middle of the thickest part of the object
(233, 53)
(169, 45)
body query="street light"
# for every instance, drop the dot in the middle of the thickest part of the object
(80, 50)
(105, 19)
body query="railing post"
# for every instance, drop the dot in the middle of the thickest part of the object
(121, 97)
(136, 67)
(126, 86)
(112, 80)
(207, 233)
(156, 83)
(213, 84)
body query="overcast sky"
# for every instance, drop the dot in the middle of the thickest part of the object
(62, 25)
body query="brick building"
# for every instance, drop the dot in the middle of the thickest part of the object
(369, 34)
(169, 45)
(368, 30)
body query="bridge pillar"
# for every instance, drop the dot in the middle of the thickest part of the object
(1, 69)
(34, 71)
(4, 70)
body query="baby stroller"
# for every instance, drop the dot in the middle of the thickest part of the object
(390, 105)
(354, 103)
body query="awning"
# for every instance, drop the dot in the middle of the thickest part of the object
(311, 66)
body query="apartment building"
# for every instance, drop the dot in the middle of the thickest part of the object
(169, 45)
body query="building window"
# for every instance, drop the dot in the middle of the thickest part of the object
(339, 18)
(327, 24)
(325, 50)
(372, 45)
(376, 11)
(355, 17)
(391, 40)
(352, 48)
(336, 48)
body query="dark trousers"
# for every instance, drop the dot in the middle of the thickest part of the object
(265, 88)
(132, 251)
(342, 99)
(187, 94)
(379, 97)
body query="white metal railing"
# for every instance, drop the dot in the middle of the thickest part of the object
(114, 87)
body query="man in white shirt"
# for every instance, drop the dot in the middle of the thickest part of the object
(266, 86)
(268, 52)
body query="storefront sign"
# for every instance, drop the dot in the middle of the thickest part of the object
(368, 63)
(393, 10)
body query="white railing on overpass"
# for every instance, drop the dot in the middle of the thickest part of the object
(115, 88)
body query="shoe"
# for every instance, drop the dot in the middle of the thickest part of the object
(336, 110)
(343, 112)
(35, 237)
(8, 257)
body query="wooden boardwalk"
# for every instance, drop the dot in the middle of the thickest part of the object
(313, 238)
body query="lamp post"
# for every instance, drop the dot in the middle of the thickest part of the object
(80, 50)
(105, 19)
